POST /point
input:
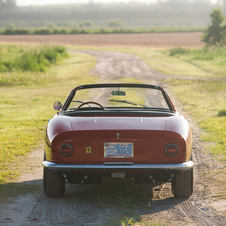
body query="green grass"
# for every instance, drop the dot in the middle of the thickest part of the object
(29, 58)
(206, 101)
(160, 61)
(27, 106)
(104, 30)
(209, 59)
(27, 65)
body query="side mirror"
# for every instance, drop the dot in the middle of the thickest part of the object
(57, 105)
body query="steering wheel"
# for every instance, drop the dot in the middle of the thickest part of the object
(90, 102)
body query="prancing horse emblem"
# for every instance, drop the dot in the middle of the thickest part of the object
(88, 150)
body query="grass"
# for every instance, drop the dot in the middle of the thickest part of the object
(29, 58)
(206, 101)
(28, 106)
(104, 30)
(211, 59)
(27, 65)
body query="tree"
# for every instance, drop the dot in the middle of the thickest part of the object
(115, 23)
(215, 32)
(7, 4)
(87, 23)
(52, 25)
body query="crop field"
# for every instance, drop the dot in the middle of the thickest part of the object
(155, 40)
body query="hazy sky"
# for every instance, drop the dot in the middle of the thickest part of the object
(49, 2)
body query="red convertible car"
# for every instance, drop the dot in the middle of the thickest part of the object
(117, 131)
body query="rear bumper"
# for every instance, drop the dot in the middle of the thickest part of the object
(109, 166)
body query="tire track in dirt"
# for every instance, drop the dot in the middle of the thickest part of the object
(81, 206)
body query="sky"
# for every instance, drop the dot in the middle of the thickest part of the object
(51, 2)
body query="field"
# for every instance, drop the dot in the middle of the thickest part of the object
(155, 40)
(193, 76)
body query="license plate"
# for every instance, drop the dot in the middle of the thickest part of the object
(118, 150)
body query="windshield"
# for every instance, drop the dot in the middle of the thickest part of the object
(118, 98)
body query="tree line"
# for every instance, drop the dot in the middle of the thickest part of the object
(171, 13)
(7, 4)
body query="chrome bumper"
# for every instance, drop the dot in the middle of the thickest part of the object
(118, 166)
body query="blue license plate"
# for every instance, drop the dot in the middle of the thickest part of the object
(118, 150)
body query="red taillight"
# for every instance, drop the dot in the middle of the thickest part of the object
(171, 150)
(66, 150)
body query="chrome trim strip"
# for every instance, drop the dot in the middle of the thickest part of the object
(118, 163)
(181, 166)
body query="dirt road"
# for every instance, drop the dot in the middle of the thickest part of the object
(91, 205)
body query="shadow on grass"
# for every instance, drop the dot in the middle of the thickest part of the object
(15, 189)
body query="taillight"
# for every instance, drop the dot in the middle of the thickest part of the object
(171, 150)
(66, 150)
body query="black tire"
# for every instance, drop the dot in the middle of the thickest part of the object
(182, 184)
(53, 183)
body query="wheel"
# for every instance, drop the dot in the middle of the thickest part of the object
(53, 183)
(182, 184)
(90, 102)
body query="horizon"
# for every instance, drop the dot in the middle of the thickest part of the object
(64, 2)
(56, 2)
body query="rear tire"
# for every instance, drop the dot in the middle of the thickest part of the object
(53, 183)
(182, 184)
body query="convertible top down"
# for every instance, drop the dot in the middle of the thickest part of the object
(117, 131)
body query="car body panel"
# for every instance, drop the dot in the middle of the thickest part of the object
(93, 131)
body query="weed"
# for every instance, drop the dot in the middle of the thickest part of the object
(35, 59)
(178, 50)
(222, 113)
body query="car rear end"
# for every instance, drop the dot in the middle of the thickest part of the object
(133, 131)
